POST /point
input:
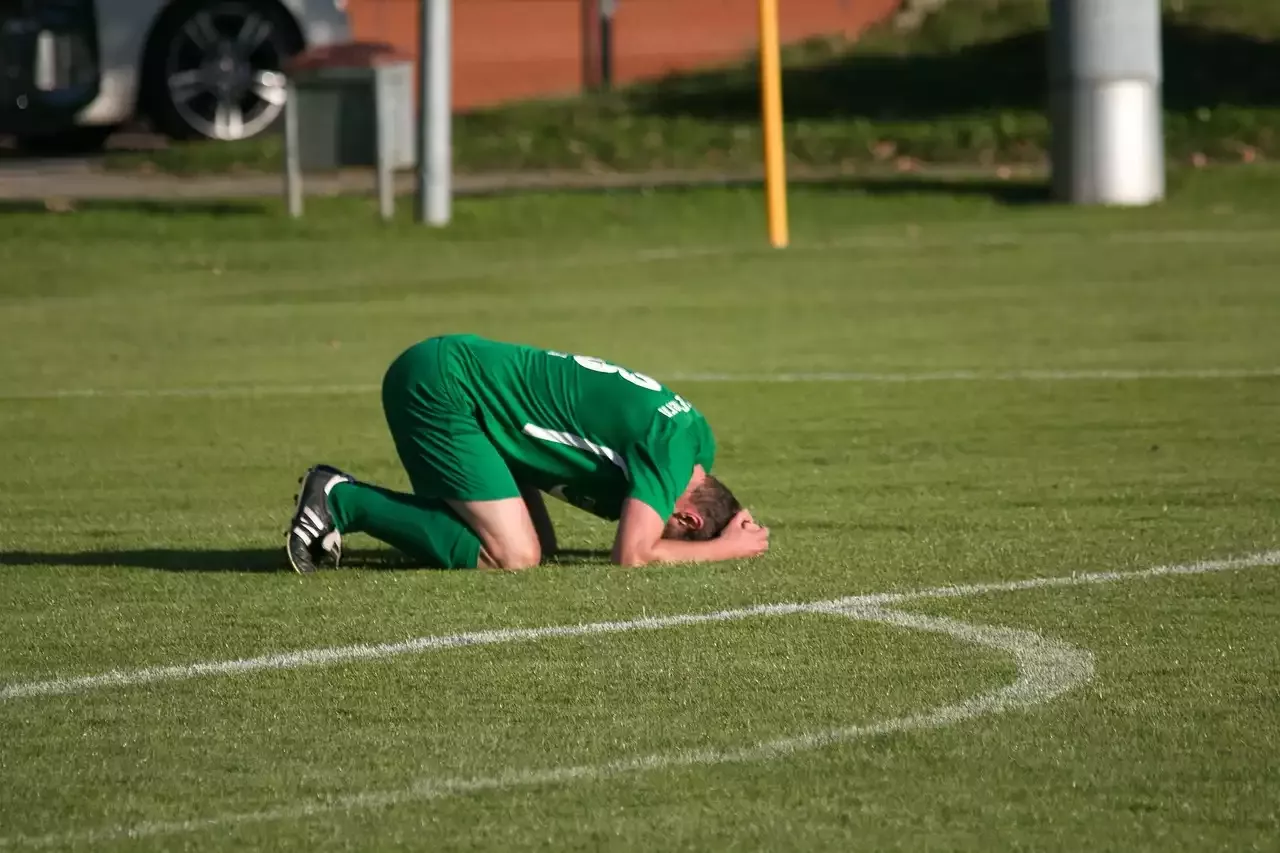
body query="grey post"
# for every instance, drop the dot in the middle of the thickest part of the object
(292, 166)
(385, 127)
(435, 114)
(608, 9)
(1105, 76)
(589, 23)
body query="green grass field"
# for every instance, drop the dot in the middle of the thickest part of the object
(1009, 391)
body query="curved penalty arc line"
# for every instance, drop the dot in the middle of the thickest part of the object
(1046, 669)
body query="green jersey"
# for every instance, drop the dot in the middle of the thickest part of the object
(583, 430)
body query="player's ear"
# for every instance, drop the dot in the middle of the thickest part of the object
(691, 521)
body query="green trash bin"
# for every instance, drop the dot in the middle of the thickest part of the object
(349, 106)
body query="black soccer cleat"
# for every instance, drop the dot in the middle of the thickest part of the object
(311, 534)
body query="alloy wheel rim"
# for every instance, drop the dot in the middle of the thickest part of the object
(223, 72)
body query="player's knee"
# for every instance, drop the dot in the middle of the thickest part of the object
(516, 556)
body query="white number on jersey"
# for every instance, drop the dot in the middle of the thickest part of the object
(601, 366)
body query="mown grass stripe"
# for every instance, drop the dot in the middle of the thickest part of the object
(348, 654)
(1100, 375)
(1047, 668)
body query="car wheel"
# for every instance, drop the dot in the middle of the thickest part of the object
(214, 69)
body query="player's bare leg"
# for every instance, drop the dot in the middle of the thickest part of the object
(508, 539)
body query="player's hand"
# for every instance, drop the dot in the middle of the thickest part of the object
(744, 536)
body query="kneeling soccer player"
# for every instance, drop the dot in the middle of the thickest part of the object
(484, 427)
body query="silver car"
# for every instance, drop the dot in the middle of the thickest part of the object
(71, 71)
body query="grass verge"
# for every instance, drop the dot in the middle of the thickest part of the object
(968, 85)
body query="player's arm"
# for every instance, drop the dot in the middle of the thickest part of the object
(639, 540)
(541, 519)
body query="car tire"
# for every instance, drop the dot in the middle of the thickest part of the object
(213, 68)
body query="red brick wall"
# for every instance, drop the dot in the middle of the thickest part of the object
(511, 49)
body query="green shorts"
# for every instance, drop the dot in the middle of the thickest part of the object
(437, 431)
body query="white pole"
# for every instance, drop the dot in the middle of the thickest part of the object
(292, 166)
(435, 114)
(1105, 70)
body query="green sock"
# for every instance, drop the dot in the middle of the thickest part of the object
(424, 528)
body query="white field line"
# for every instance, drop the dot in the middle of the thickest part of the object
(1251, 561)
(1046, 668)
(866, 377)
(349, 654)
(912, 237)
(1101, 374)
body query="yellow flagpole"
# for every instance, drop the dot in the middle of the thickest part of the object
(775, 168)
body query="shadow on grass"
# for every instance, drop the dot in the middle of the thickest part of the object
(1013, 192)
(1204, 67)
(243, 560)
(577, 557)
(978, 182)
(151, 207)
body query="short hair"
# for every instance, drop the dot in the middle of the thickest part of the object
(717, 506)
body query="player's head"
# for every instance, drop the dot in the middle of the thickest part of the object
(702, 512)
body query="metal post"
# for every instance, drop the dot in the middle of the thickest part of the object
(608, 8)
(591, 25)
(1105, 101)
(292, 166)
(384, 127)
(435, 113)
